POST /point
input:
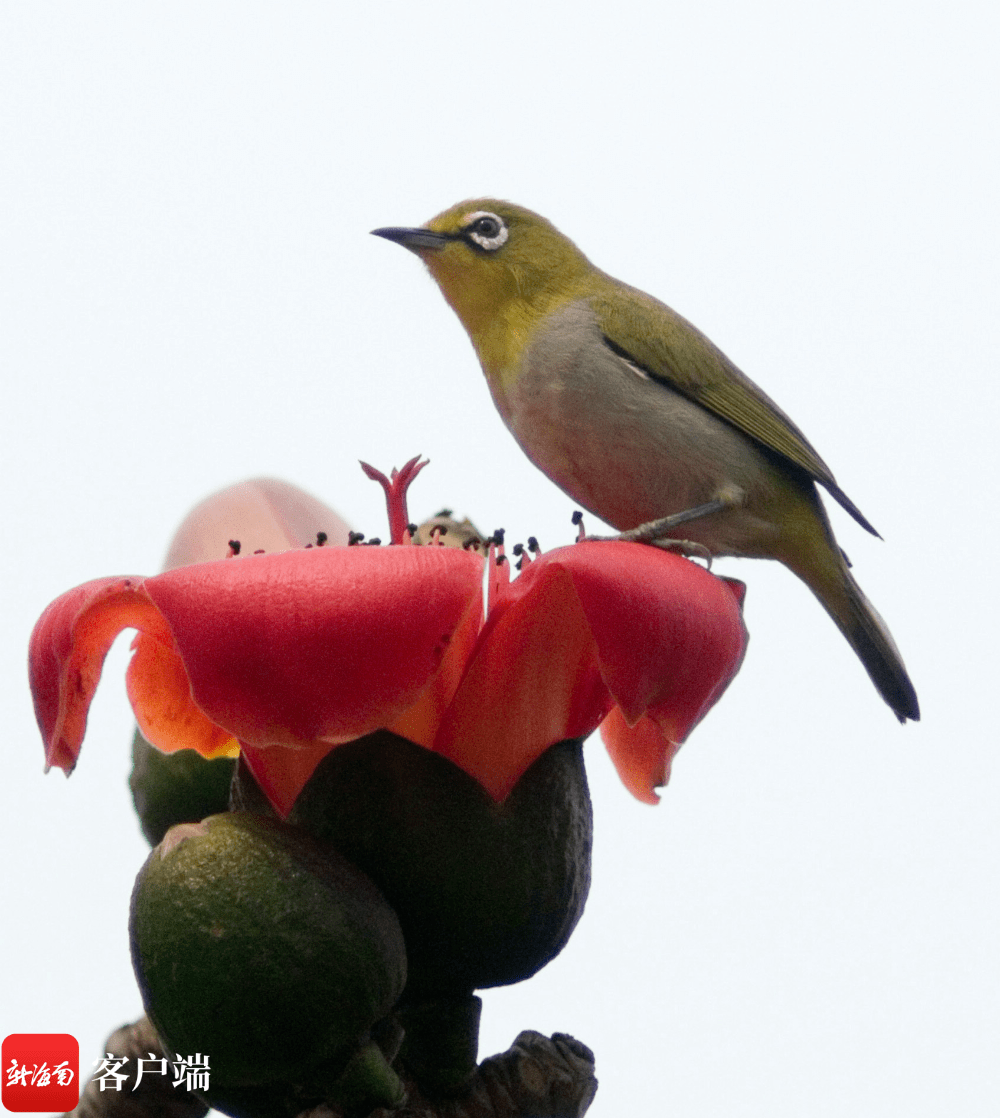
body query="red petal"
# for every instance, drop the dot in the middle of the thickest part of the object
(419, 723)
(330, 643)
(67, 650)
(642, 754)
(160, 694)
(533, 681)
(670, 636)
(282, 773)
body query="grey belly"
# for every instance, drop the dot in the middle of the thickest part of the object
(630, 449)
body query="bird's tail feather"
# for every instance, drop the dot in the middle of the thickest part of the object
(870, 638)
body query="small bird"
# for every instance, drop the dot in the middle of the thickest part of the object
(636, 415)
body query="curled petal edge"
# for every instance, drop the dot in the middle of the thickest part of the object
(67, 651)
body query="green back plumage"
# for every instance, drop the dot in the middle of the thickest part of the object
(671, 350)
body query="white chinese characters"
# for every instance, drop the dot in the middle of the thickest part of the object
(191, 1071)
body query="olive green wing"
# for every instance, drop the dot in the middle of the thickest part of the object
(669, 349)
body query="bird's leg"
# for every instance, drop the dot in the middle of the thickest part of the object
(728, 497)
(655, 532)
(652, 531)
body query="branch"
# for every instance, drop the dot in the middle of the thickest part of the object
(537, 1076)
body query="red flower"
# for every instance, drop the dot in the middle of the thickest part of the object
(290, 654)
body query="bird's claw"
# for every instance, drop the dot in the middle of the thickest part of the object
(688, 548)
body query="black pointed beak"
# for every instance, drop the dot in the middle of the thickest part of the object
(413, 239)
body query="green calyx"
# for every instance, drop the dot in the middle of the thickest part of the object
(273, 956)
(486, 893)
(178, 788)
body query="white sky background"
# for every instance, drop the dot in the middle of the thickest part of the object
(809, 921)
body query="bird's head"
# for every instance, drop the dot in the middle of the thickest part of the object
(495, 261)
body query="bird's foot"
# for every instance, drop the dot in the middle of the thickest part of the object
(688, 548)
(657, 532)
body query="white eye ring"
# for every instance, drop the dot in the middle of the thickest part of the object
(483, 241)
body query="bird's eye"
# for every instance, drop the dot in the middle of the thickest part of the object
(486, 230)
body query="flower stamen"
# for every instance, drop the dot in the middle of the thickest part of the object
(497, 569)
